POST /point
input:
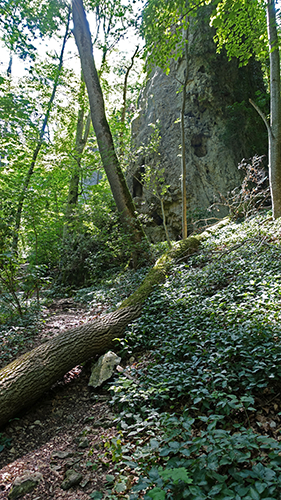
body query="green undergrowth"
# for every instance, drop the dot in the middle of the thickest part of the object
(199, 413)
(112, 290)
(17, 334)
(116, 286)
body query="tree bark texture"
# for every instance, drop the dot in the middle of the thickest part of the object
(26, 379)
(80, 143)
(119, 188)
(164, 222)
(274, 136)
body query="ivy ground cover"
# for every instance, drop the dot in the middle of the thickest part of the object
(200, 412)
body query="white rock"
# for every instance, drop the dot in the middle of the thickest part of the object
(103, 369)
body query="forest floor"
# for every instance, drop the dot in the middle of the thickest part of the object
(198, 415)
(65, 429)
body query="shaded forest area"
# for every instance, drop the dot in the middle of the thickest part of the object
(193, 409)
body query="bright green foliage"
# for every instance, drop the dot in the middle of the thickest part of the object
(21, 23)
(18, 127)
(153, 177)
(213, 331)
(227, 307)
(113, 288)
(18, 282)
(23, 107)
(113, 18)
(162, 28)
(25, 103)
(99, 246)
(175, 475)
(241, 29)
(114, 101)
(157, 494)
(221, 465)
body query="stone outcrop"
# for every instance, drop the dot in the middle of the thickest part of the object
(72, 478)
(103, 369)
(221, 128)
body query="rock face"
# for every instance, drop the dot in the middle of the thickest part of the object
(220, 129)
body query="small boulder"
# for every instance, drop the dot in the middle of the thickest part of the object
(83, 442)
(72, 479)
(24, 484)
(103, 369)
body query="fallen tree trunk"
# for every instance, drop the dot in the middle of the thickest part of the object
(24, 380)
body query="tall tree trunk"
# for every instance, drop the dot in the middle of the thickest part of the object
(275, 112)
(274, 128)
(24, 380)
(9, 70)
(82, 134)
(124, 104)
(110, 161)
(39, 144)
(183, 159)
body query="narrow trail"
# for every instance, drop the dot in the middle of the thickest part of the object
(65, 429)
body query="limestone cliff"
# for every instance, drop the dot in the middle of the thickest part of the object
(220, 129)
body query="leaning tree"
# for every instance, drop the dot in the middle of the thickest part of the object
(24, 380)
(111, 164)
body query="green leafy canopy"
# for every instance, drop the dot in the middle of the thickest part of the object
(241, 28)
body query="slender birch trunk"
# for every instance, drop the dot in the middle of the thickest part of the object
(183, 157)
(124, 104)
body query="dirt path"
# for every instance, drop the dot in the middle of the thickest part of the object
(64, 430)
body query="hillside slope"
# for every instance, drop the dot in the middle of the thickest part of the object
(200, 418)
(197, 399)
